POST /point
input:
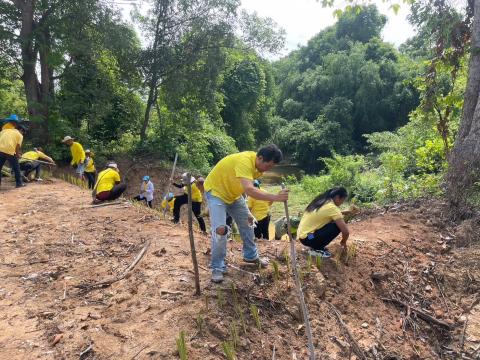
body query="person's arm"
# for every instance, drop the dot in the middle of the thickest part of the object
(344, 229)
(48, 158)
(178, 185)
(255, 193)
(18, 151)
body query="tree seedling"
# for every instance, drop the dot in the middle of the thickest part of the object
(234, 334)
(220, 297)
(276, 271)
(182, 346)
(228, 350)
(200, 322)
(256, 316)
(318, 262)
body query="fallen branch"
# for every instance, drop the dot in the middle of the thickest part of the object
(351, 340)
(422, 314)
(86, 351)
(108, 204)
(109, 282)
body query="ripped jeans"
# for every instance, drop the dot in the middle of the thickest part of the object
(238, 210)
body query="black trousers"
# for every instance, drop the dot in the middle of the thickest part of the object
(13, 160)
(91, 179)
(261, 231)
(196, 209)
(149, 203)
(321, 237)
(28, 166)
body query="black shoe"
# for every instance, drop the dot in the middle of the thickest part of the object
(21, 185)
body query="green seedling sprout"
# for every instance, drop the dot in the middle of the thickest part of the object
(182, 346)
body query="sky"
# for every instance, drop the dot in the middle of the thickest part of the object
(302, 19)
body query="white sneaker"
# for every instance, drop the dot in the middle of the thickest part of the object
(320, 253)
(38, 179)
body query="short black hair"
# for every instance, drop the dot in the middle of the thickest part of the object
(270, 152)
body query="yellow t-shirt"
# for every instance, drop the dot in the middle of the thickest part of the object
(32, 156)
(171, 203)
(259, 208)
(312, 221)
(78, 155)
(9, 139)
(106, 180)
(8, 125)
(224, 179)
(196, 193)
(90, 166)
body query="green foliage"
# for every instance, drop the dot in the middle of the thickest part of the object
(256, 316)
(229, 350)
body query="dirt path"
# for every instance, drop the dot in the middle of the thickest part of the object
(52, 241)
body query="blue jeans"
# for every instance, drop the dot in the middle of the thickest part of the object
(238, 210)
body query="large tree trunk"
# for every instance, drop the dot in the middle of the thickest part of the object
(29, 56)
(464, 162)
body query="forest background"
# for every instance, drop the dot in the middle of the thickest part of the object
(347, 108)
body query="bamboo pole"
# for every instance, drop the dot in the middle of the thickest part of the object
(298, 285)
(167, 188)
(187, 181)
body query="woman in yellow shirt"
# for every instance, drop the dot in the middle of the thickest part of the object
(197, 189)
(260, 209)
(90, 170)
(323, 221)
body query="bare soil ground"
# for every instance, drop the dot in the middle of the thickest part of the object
(54, 247)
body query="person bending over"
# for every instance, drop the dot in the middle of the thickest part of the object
(29, 163)
(323, 220)
(197, 198)
(146, 191)
(109, 185)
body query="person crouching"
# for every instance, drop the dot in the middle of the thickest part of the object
(109, 185)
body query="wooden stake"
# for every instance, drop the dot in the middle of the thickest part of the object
(167, 188)
(298, 285)
(187, 181)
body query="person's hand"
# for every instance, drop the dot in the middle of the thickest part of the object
(354, 210)
(282, 195)
(251, 219)
(344, 246)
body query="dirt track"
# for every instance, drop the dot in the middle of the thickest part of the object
(51, 240)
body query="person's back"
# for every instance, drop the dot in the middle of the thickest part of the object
(107, 180)
(9, 140)
(224, 179)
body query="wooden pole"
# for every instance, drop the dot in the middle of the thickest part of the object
(298, 285)
(167, 188)
(187, 181)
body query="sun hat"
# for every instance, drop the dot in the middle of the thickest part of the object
(67, 138)
(13, 117)
(112, 165)
(146, 178)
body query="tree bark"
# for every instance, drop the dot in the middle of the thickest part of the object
(464, 161)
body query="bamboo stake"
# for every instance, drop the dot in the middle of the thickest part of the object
(167, 188)
(187, 180)
(298, 285)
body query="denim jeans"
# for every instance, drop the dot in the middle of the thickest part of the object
(13, 160)
(238, 210)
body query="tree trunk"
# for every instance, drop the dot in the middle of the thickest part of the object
(29, 57)
(464, 162)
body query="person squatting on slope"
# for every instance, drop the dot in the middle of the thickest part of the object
(146, 191)
(109, 185)
(29, 163)
(90, 171)
(260, 209)
(78, 155)
(11, 149)
(323, 220)
(229, 179)
(197, 198)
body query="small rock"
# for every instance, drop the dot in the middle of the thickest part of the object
(428, 288)
(462, 319)
(95, 316)
(365, 325)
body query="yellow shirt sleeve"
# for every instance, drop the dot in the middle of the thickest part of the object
(243, 168)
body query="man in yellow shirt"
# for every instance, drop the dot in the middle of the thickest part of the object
(78, 155)
(109, 185)
(29, 163)
(231, 178)
(197, 186)
(260, 209)
(11, 150)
